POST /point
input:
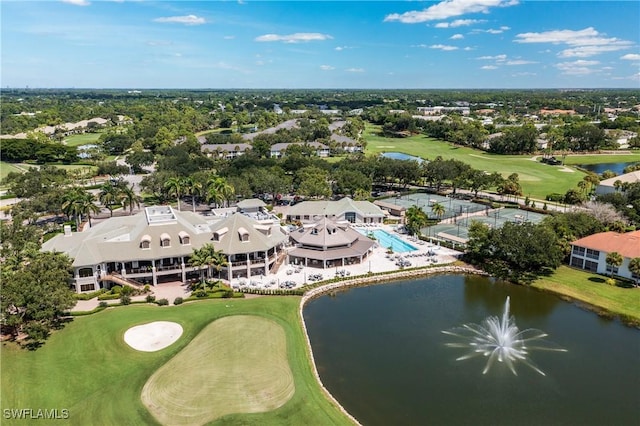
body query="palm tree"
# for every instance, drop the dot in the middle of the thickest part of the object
(614, 259)
(72, 205)
(175, 186)
(109, 196)
(207, 255)
(129, 198)
(200, 258)
(415, 219)
(215, 189)
(438, 209)
(77, 202)
(634, 267)
(192, 187)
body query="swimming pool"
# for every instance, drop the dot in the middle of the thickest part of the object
(387, 240)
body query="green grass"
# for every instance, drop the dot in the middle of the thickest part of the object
(592, 289)
(6, 168)
(82, 139)
(238, 364)
(88, 369)
(537, 179)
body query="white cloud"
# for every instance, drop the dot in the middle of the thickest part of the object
(326, 67)
(468, 48)
(448, 9)
(229, 37)
(293, 38)
(457, 37)
(587, 51)
(459, 23)
(340, 48)
(583, 43)
(77, 2)
(355, 70)
(519, 62)
(523, 74)
(443, 47)
(631, 57)
(488, 67)
(502, 57)
(495, 31)
(186, 20)
(579, 67)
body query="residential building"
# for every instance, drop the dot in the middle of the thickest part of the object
(439, 110)
(225, 150)
(278, 150)
(345, 209)
(609, 186)
(590, 252)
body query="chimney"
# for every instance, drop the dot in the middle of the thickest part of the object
(67, 230)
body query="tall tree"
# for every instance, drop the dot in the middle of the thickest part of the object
(193, 188)
(129, 198)
(634, 267)
(614, 260)
(175, 187)
(109, 196)
(415, 220)
(438, 209)
(208, 256)
(35, 294)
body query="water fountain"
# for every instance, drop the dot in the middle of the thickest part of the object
(500, 339)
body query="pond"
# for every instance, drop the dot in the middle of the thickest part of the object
(617, 168)
(401, 156)
(381, 352)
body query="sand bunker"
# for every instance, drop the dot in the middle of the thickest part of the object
(153, 336)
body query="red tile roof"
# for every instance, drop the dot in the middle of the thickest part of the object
(628, 244)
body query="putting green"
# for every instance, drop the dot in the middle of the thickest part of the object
(237, 364)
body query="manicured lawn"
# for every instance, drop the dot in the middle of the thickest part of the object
(592, 289)
(537, 179)
(6, 168)
(238, 364)
(82, 139)
(70, 167)
(88, 369)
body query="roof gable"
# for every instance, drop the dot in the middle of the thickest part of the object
(627, 244)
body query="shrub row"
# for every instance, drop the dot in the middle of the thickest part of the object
(89, 296)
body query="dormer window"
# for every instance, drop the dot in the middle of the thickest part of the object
(165, 240)
(217, 235)
(185, 239)
(145, 242)
(314, 231)
(243, 234)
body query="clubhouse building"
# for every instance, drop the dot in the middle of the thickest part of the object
(154, 246)
(345, 209)
(328, 244)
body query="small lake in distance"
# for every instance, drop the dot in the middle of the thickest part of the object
(617, 168)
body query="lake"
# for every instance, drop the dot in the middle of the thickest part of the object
(381, 352)
(617, 168)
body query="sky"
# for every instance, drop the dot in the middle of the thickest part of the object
(450, 44)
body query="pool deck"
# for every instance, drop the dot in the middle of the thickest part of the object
(377, 261)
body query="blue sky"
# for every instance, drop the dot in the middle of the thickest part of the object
(320, 44)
